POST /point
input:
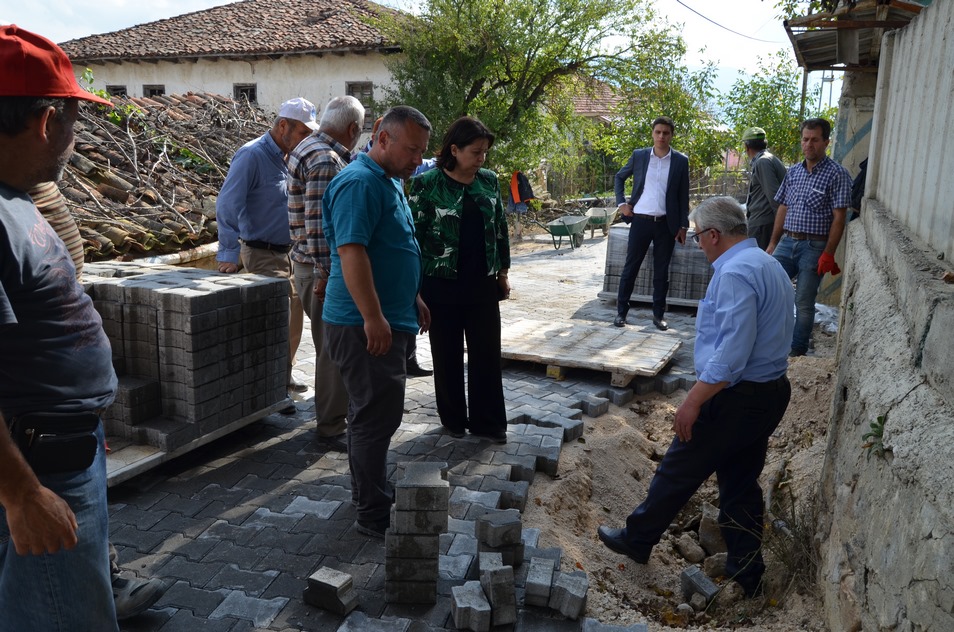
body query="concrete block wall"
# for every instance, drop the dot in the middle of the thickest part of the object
(195, 349)
(689, 271)
(887, 554)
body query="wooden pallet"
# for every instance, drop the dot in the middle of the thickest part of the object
(127, 459)
(621, 352)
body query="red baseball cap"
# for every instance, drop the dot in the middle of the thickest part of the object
(33, 66)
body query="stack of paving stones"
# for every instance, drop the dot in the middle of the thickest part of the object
(412, 543)
(689, 270)
(195, 350)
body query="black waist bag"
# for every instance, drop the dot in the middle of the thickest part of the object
(56, 442)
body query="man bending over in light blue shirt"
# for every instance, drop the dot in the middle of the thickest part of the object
(743, 333)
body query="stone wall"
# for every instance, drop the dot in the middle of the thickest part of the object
(888, 549)
(887, 506)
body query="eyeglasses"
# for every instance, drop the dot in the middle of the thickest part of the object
(699, 234)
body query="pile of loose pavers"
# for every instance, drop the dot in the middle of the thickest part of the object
(509, 568)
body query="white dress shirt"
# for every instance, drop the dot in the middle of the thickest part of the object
(653, 199)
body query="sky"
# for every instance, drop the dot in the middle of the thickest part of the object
(757, 29)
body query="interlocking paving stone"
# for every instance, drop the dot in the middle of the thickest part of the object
(261, 612)
(252, 583)
(200, 601)
(249, 497)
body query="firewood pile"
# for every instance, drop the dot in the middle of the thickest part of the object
(144, 175)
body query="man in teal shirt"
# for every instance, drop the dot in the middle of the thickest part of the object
(372, 309)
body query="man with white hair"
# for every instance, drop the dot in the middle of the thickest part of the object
(743, 330)
(252, 211)
(312, 165)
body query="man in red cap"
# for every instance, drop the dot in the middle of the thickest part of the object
(55, 366)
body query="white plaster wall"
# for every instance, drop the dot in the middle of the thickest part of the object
(318, 79)
(912, 162)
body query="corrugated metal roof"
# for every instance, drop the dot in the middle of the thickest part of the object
(849, 38)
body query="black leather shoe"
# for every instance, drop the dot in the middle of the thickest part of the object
(416, 370)
(496, 437)
(334, 443)
(615, 540)
(373, 529)
(619, 321)
(661, 325)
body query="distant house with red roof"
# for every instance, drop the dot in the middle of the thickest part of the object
(265, 51)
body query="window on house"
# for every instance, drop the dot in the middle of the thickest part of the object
(364, 91)
(245, 92)
(117, 91)
(153, 90)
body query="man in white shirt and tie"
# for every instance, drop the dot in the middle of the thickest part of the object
(658, 214)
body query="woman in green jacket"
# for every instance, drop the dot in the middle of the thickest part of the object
(461, 228)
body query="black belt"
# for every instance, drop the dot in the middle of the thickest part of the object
(264, 245)
(649, 218)
(805, 236)
(756, 388)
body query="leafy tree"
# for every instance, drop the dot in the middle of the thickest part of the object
(665, 86)
(517, 64)
(770, 99)
(794, 8)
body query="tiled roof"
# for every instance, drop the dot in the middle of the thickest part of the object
(597, 100)
(248, 28)
(148, 185)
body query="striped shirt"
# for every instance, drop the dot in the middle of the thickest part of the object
(52, 206)
(311, 167)
(812, 196)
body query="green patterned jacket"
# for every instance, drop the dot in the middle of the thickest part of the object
(437, 203)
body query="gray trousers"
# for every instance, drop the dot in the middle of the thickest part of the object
(331, 397)
(376, 388)
(762, 234)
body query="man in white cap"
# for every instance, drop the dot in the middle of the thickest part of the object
(252, 211)
(56, 370)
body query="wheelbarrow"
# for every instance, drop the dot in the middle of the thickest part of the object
(570, 226)
(601, 217)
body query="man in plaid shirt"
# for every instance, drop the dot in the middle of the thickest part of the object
(311, 166)
(813, 202)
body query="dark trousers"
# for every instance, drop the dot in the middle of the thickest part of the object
(730, 438)
(642, 232)
(480, 324)
(375, 386)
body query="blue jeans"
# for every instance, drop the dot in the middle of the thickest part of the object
(68, 591)
(799, 258)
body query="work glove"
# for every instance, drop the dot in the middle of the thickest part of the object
(826, 263)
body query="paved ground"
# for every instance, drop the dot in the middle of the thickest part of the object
(239, 525)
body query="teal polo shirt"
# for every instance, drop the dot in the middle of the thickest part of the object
(364, 206)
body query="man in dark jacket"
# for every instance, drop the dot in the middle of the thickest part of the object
(767, 175)
(658, 214)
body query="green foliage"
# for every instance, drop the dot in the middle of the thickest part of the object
(669, 88)
(188, 159)
(796, 8)
(118, 116)
(771, 99)
(517, 64)
(874, 440)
